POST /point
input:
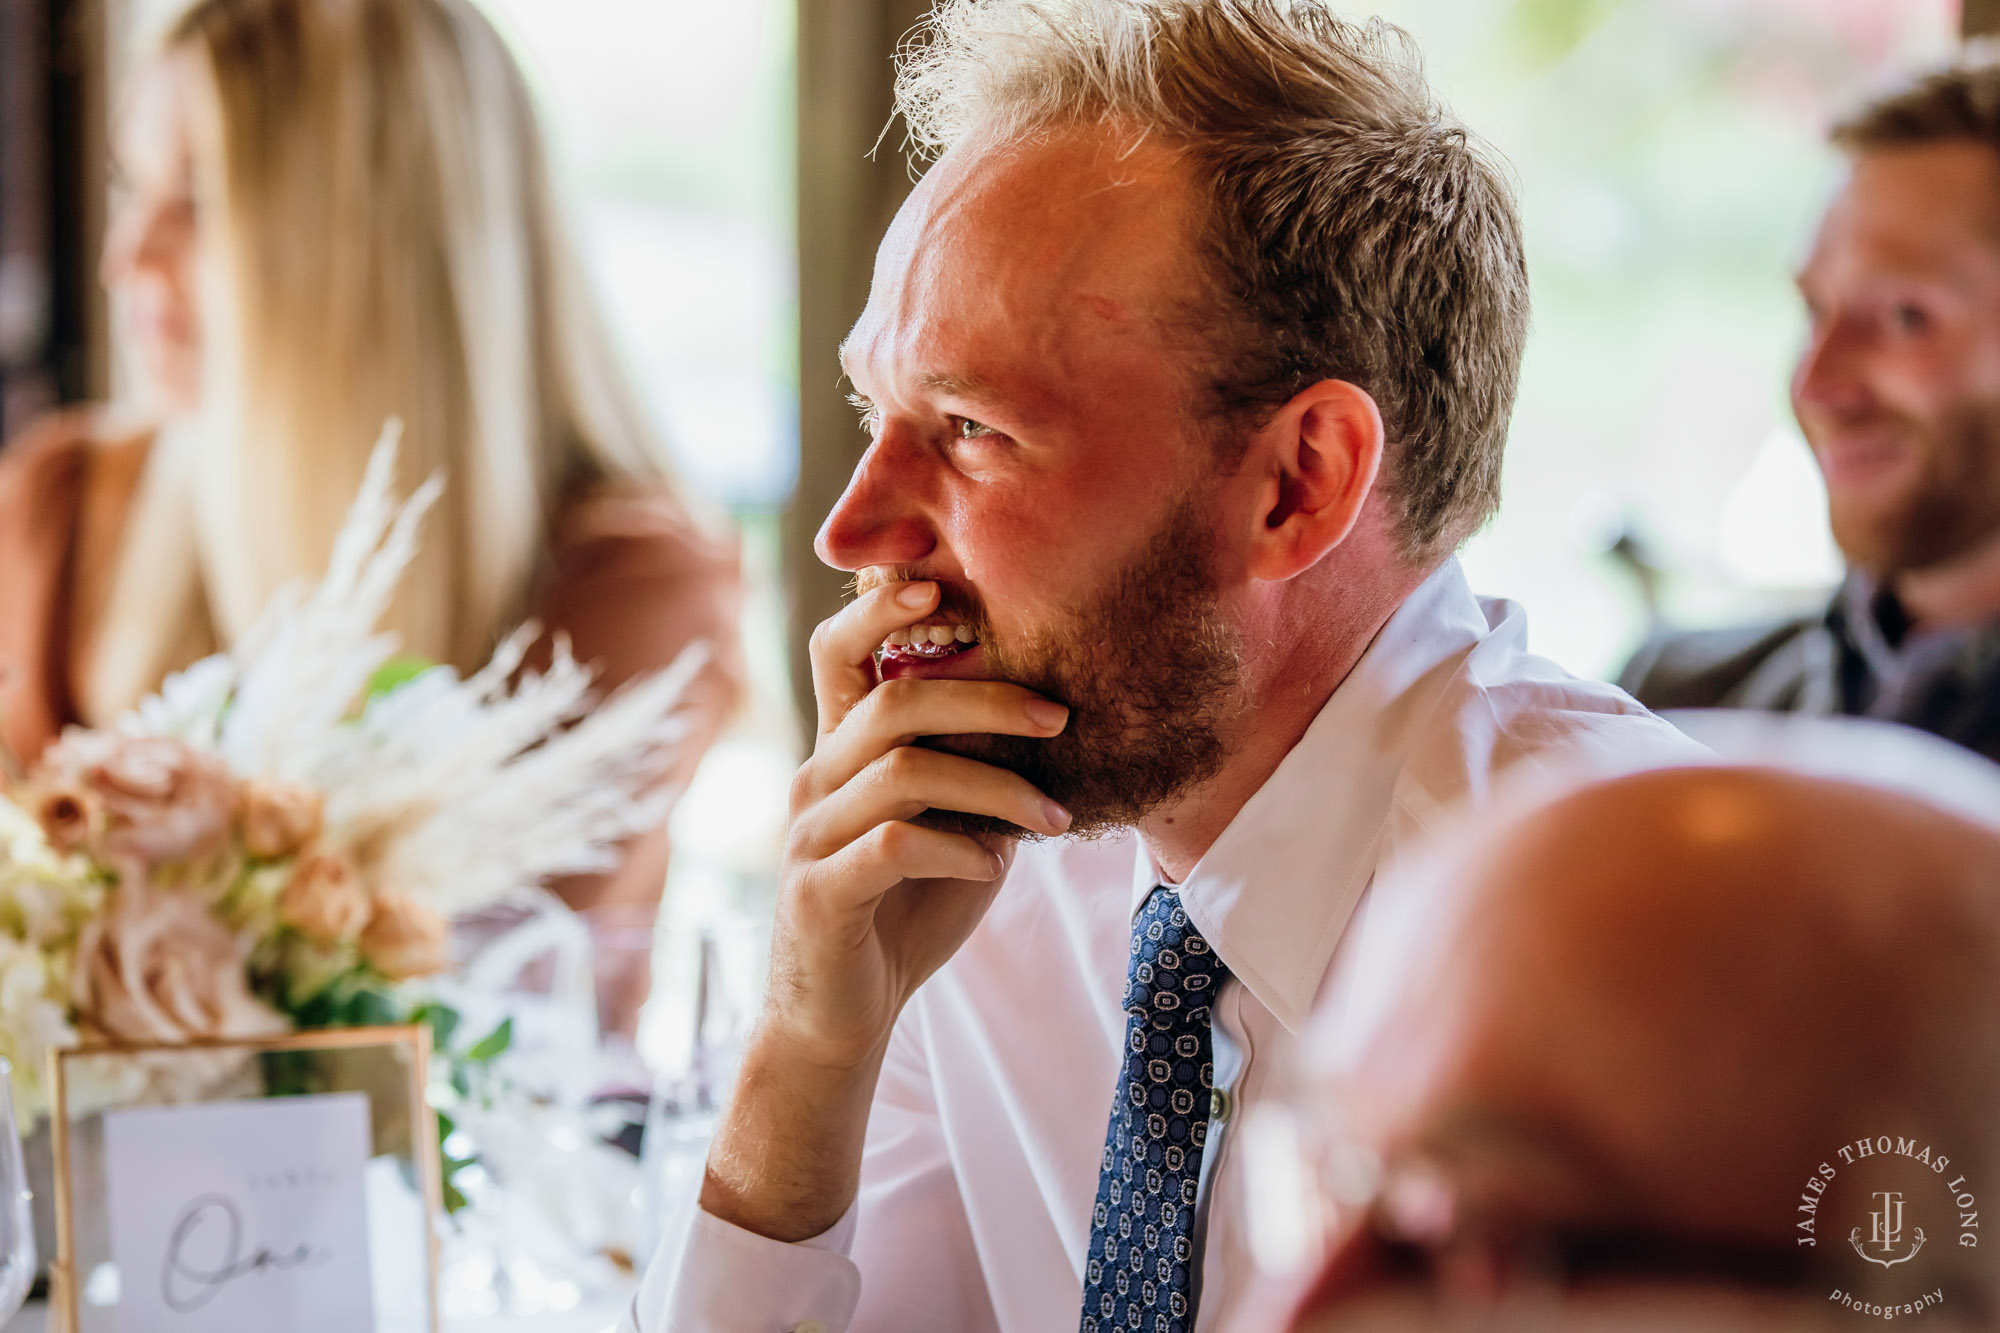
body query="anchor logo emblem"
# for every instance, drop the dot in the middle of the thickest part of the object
(1885, 1232)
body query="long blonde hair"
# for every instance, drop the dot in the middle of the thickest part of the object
(380, 240)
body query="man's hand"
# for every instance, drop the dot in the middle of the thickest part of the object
(869, 907)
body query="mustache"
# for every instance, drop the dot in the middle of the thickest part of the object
(954, 600)
(1813, 418)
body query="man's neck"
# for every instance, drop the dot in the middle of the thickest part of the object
(1287, 691)
(1963, 591)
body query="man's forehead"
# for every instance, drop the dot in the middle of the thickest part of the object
(1918, 210)
(1028, 247)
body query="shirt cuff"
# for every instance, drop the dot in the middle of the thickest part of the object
(719, 1278)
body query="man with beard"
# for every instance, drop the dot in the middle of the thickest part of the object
(1187, 366)
(1898, 392)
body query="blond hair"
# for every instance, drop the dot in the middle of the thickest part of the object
(380, 240)
(1356, 231)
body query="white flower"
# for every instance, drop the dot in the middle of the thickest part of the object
(21, 840)
(45, 896)
(33, 1020)
(456, 792)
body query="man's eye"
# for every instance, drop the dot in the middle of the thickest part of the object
(973, 430)
(1907, 318)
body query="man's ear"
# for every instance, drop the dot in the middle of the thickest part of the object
(1320, 455)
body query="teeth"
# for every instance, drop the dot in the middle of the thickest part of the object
(931, 637)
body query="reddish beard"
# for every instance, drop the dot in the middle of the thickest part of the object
(1952, 507)
(1148, 671)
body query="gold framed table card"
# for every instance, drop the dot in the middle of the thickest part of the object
(245, 1186)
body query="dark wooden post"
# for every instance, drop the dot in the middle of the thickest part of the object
(52, 324)
(846, 199)
(26, 386)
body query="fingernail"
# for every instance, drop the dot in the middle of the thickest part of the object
(996, 863)
(1046, 714)
(1057, 816)
(916, 596)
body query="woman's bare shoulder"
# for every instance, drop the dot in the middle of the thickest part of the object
(55, 448)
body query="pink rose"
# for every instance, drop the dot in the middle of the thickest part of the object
(70, 815)
(278, 818)
(163, 801)
(404, 938)
(156, 966)
(325, 900)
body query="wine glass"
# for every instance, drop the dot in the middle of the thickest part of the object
(710, 976)
(17, 1224)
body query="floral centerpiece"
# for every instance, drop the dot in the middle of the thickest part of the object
(279, 838)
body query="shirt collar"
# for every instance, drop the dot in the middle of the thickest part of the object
(1901, 660)
(1274, 893)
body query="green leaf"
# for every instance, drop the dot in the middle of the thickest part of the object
(442, 1020)
(398, 671)
(373, 1008)
(495, 1043)
(450, 1166)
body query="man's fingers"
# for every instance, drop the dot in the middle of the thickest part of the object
(843, 645)
(908, 781)
(861, 872)
(898, 711)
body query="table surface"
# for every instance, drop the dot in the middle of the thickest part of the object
(587, 1318)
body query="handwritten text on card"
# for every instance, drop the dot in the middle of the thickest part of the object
(241, 1217)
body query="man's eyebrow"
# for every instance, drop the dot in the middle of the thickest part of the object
(963, 383)
(950, 382)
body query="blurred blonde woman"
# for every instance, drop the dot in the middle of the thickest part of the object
(335, 212)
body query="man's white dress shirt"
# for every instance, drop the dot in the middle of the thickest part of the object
(988, 1125)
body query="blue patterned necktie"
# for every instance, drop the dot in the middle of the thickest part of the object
(1140, 1270)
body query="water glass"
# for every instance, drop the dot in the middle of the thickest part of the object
(708, 980)
(17, 1224)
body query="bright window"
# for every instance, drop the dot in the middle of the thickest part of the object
(673, 121)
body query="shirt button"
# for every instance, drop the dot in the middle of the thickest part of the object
(1220, 1105)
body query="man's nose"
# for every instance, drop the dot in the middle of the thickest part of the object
(880, 517)
(1828, 378)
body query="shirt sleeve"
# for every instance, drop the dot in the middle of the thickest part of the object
(712, 1277)
(900, 1261)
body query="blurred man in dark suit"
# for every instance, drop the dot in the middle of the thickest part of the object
(1898, 392)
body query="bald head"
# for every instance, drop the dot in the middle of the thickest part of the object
(1649, 1012)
